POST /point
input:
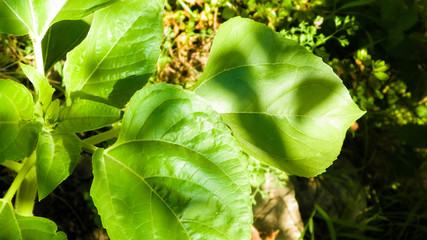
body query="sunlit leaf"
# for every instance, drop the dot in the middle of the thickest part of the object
(175, 172)
(119, 53)
(284, 105)
(39, 15)
(9, 22)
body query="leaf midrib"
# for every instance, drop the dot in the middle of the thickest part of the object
(109, 50)
(149, 186)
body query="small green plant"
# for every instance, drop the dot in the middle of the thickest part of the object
(177, 168)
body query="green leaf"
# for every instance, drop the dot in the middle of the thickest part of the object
(60, 39)
(36, 15)
(77, 9)
(52, 112)
(9, 22)
(284, 105)
(44, 91)
(19, 97)
(381, 76)
(110, 69)
(175, 166)
(84, 115)
(20, 142)
(39, 15)
(9, 225)
(57, 155)
(17, 135)
(36, 228)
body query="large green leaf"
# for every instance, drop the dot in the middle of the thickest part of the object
(119, 53)
(57, 155)
(284, 105)
(9, 225)
(61, 38)
(37, 228)
(9, 22)
(84, 115)
(17, 135)
(175, 172)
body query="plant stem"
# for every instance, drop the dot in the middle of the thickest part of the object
(38, 54)
(102, 137)
(88, 147)
(12, 165)
(25, 198)
(28, 164)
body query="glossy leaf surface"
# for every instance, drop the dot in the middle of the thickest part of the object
(9, 225)
(17, 135)
(119, 53)
(84, 115)
(57, 155)
(175, 172)
(284, 105)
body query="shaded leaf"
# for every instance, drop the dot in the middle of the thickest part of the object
(119, 53)
(52, 112)
(61, 38)
(356, 3)
(57, 155)
(84, 115)
(175, 166)
(284, 105)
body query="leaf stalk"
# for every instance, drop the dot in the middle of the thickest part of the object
(28, 164)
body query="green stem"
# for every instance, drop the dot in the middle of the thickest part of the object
(12, 165)
(38, 54)
(88, 147)
(25, 198)
(102, 137)
(28, 164)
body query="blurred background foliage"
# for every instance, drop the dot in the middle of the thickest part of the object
(377, 189)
